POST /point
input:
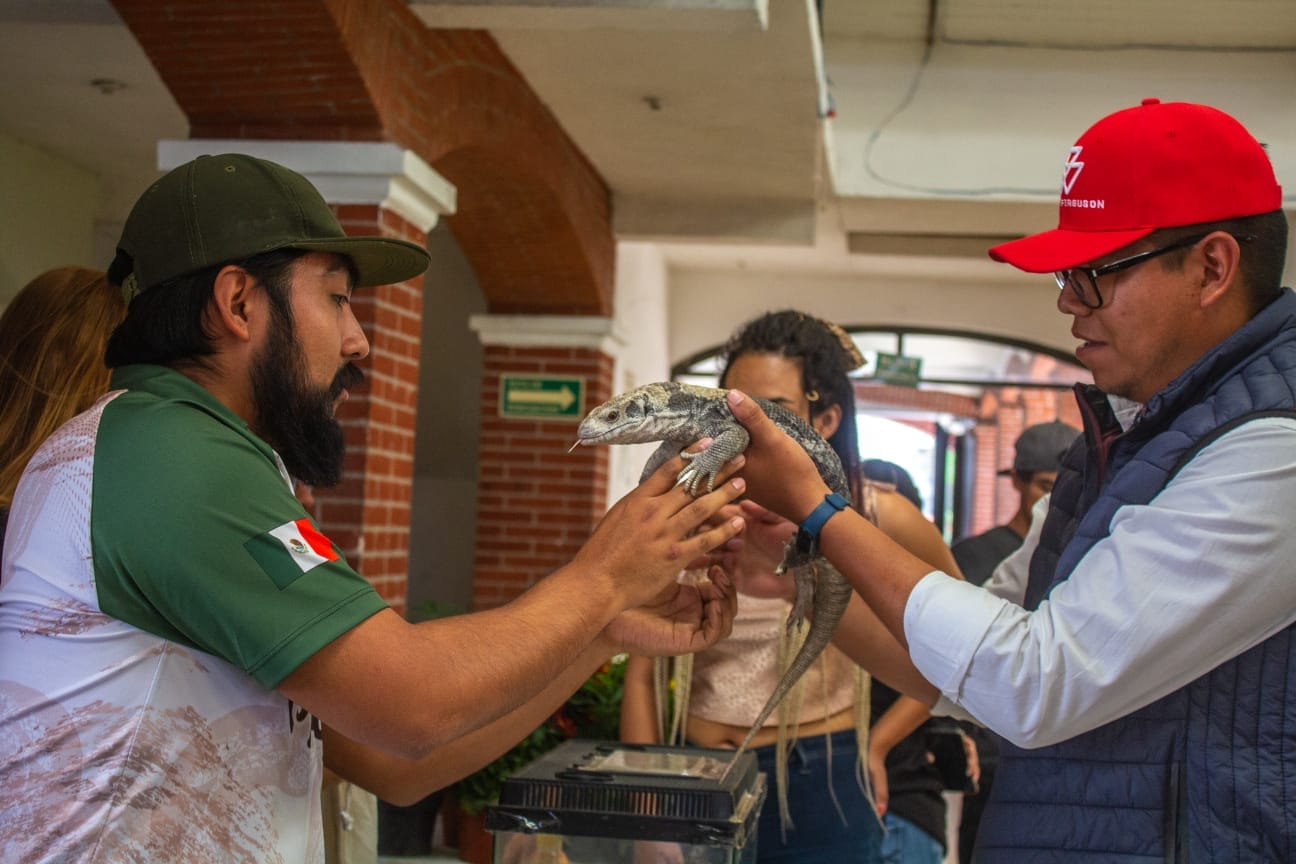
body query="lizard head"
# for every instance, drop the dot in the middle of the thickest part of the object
(625, 419)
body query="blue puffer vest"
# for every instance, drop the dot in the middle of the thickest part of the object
(1208, 773)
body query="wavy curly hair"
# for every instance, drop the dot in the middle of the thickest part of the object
(826, 354)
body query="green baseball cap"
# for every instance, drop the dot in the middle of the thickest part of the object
(218, 209)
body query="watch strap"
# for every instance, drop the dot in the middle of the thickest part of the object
(807, 536)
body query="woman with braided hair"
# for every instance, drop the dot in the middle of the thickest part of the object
(816, 746)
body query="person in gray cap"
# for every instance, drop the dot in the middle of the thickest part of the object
(182, 650)
(1038, 453)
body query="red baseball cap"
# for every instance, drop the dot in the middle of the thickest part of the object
(1154, 166)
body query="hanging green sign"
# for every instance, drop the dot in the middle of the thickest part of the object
(898, 369)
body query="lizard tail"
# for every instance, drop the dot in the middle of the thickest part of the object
(832, 596)
(784, 686)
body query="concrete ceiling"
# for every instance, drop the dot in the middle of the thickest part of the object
(704, 116)
(74, 82)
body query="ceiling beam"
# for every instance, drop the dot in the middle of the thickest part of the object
(568, 15)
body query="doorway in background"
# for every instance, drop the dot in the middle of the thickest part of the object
(947, 406)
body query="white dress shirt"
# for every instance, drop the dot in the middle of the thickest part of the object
(1200, 574)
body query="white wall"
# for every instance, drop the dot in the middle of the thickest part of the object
(48, 215)
(987, 123)
(443, 501)
(640, 322)
(706, 306)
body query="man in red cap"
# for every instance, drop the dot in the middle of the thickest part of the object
(1147, 685)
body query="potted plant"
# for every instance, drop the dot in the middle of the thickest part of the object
(593, 711)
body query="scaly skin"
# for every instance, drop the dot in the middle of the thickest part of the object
(679, 414)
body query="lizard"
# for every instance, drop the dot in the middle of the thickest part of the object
(679, 414)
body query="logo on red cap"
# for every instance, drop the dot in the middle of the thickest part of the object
(1070, 174)
(1071, 170)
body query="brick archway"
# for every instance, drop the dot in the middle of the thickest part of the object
(534, 216)
(533, 219)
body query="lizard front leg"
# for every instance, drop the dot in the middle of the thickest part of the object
(660, 457)
(706, 464)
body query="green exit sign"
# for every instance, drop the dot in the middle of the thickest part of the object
(556, 396)
(898, 369)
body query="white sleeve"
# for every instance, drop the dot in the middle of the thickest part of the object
(1203, 572)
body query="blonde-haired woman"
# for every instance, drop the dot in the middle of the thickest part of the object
(52, 339)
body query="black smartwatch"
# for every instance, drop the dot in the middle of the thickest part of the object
(807, 536)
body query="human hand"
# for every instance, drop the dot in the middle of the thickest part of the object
(656, 530)
(683, 618)
(519, 849)
(973, 761)
(758, 552)
(722, 555)
(878, 779)
(780, 474)
(657, 852)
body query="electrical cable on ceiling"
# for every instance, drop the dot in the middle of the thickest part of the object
(933, 25)
(933, 16)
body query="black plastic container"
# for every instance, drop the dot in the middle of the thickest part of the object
(594, 801)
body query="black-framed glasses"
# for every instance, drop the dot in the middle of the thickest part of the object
(1084, 280)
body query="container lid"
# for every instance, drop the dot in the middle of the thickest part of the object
(638, 792)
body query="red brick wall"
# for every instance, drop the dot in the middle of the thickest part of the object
(867, 392)
(250, 69)
(368, 515)
(993, 499)
(536, 502)
(1003, 414)
(534, 219)
(534, 216)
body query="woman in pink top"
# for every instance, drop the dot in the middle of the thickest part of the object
(802, 363)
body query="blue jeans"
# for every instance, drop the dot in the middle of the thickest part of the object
(906, 843)
(818, 835)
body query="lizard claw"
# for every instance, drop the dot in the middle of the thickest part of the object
(692, 477)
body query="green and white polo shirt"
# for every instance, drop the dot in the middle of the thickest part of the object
(159, 579)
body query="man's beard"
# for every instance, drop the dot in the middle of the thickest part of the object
(294, 417)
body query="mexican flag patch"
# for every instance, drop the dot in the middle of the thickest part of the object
(290, 550)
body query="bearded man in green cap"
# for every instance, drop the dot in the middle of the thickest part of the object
(182, 650)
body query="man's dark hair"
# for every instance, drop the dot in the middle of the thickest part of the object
(824, 363)
(1263, 256)
(164, 325)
